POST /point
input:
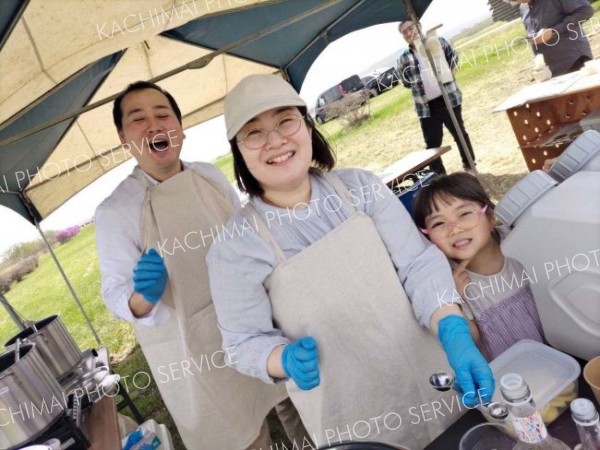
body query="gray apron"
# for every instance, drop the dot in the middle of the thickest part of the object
(374, 358)
(213, 406)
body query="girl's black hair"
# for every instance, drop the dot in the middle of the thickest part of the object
(323, 159)
(460, 185)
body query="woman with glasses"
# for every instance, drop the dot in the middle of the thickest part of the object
(457, 215)
(323, 281)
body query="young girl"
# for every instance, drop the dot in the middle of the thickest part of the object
(456, 214)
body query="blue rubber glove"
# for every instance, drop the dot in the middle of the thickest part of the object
(473, 376)
(150, 276)
(300, 361)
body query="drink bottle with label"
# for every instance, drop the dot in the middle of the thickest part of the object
(527, 421)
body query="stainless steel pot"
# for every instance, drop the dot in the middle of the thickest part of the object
(30, 397)
(54, 343)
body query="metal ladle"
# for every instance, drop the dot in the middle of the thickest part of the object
(444, 381)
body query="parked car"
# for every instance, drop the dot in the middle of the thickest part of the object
(381, 80)
(325, 108)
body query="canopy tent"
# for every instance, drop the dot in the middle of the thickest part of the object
(62, 63)
(52, 66)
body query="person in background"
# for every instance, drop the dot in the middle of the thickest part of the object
(554, 29)
(457, 215)
(417, 75)
(329, 286)
(165, 294)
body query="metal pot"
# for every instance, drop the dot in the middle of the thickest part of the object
(54, 343)
(30, 397)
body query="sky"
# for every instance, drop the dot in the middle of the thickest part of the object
(366, 48)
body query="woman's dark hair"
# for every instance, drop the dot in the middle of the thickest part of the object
(461, 185)
(138, 86)
(323, 159)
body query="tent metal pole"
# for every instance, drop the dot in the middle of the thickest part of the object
(12, 313)
(461, 137)
(60, 269)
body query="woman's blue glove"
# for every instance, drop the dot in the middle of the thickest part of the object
(473, 376)
(150, 276)
(300, 361)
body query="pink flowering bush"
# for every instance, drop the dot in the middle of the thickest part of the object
(63, 236)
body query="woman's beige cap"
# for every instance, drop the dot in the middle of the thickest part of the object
(256, 94)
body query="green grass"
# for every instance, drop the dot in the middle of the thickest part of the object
(43, 293)
(225, 164)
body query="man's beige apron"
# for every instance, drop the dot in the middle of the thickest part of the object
(375, 360)
(213, 406)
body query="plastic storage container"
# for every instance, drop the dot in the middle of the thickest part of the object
(550, 374)
(556, 237)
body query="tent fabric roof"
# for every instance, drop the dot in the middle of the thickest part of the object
(58, 57)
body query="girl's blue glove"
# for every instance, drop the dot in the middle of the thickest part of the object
(300, 361)
(150, 276)
(473, 376)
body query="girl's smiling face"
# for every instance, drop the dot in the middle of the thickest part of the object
(460, 228)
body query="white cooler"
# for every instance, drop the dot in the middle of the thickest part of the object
(556, 236)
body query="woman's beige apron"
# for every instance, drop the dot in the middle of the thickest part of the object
(213, 406)
(375, 360)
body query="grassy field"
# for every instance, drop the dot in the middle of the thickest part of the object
(490, 70)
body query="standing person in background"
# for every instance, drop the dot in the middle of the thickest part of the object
(554, 29)
(416, 74)
(166, 296)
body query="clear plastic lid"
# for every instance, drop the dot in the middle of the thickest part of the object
(585, 148)
(546, 371)
(522, 195)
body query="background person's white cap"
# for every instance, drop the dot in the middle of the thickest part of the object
(256, 94)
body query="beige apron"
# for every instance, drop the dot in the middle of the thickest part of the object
(375, 360)
(213, 406)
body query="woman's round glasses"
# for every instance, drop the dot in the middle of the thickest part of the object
(466, 221)
(256, 138)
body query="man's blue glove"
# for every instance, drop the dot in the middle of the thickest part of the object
(473, 376)
(300, 361)
(150, 276)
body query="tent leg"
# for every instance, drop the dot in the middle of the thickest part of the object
(60, 269)
(12, 313)
(461, 137)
